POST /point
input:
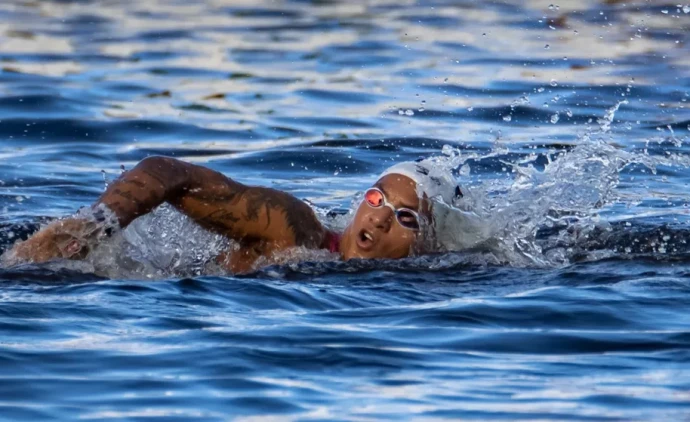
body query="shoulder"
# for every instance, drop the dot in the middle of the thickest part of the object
(297, 216)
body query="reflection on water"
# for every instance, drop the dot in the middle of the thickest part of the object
(577, 307)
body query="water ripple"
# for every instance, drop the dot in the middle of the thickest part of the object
(317, 98)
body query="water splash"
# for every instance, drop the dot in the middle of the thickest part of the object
(566, 198)
(164, 243)
(605, 122)
(501, 220)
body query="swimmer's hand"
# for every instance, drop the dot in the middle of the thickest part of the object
(67, 239)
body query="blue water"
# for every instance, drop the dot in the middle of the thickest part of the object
(579, 309)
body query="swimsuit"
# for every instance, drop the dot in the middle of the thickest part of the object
(331, 241)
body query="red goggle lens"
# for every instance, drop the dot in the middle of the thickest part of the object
(374, 198)
(405, 217)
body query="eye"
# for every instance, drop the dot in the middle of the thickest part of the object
(408, 219)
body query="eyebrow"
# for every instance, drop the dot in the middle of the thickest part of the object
(402, 204)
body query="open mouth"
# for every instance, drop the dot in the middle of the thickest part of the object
(365, 240)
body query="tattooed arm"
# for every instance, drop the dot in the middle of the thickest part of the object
(263, 220)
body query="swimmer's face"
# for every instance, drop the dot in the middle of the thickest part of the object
(375, 232)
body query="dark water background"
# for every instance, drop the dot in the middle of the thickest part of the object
(317, 98)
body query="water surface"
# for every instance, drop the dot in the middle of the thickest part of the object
(567, 123)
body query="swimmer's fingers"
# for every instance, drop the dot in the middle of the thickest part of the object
(61, 239)
(71, 247)
(73, 237)
(38, 248)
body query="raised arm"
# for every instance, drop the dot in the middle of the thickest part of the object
(261, 219)
(244, 213)
(151, 182)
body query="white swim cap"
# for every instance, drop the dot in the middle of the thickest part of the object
(454, 226)
(435, 182)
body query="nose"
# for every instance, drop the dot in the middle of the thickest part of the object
(381, 218)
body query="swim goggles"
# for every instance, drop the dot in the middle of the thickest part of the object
(375, 198)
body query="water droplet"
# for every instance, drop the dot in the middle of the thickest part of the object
(686, 9)
(553, 82)
(507, 118)
(665, 12)
(569, 113)
(420, 109)
(401, 112)
(551, 7)
(19, 199)
(554, 118)
(547, 46)
(409, 112)
(540, 89)
(520, 101)
(472, 108)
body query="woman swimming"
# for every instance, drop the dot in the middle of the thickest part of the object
(388, 223)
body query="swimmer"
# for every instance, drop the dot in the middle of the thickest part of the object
(389, 223)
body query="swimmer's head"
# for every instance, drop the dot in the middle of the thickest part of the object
(392, 217)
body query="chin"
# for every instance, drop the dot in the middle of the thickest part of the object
(354, 254)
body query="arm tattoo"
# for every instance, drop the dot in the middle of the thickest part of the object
(258, 200)
(299, 218)
(219, 215)
(137, 183)
(157, 176)
(125, 194)
(229, 193)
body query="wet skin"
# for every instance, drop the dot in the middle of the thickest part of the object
(263, 221)
(375, 232)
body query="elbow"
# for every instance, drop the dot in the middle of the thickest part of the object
(170, 173)
(157, 162)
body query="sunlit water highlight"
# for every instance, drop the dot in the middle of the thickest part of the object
(567, 125)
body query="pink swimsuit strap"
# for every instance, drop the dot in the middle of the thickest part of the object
(331, 241)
